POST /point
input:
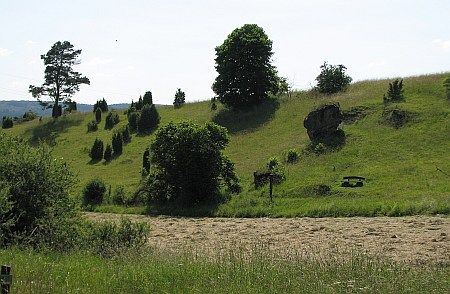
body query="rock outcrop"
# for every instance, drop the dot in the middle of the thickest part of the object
(322, 123)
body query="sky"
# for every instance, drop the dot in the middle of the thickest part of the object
(130, 47)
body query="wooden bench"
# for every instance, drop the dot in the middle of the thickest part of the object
(352, 181)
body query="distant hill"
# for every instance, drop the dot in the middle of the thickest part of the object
(15, 108)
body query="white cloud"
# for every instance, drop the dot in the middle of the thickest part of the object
(4, 52)
(443, 44)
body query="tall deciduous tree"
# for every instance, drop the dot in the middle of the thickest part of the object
(243, 62)
(61, 81)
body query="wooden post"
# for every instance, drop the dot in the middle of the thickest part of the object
(6, 279)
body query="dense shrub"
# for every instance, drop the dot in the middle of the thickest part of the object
(98, 115)
(292, 156)
(396, 117)
(7, 122)
(126, 136)
(111, 120)
(189, 164)
(108, 153)
(29, 115)
(92, 126)
(35, 206)
(148, 120)
(180, 98)
(97, 150)
(395, 92)
(332, 78)
(102, 105)
(447, 87)
(146, 162)
(119, 196)
(245, 73)
(117, 143)
(133, 118)
(94, 192)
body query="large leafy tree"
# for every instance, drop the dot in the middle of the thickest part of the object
(243, 62)
(189, 163)
(332, 78)
(61, 81)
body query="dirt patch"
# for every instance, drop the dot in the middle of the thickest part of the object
(416, 239)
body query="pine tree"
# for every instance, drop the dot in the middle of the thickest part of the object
(98, 115)
(180, 98)
(126, 134)
(149, 119)
(117, 143)
(108, 153)
(97, 150)
(148, 99)
(395, 92)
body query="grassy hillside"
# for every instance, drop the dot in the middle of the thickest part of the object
(407, 169)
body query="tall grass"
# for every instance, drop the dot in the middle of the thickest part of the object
(152, 272)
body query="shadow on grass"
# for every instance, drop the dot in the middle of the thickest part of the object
(174, 209)
(247, 120)
(49, 131)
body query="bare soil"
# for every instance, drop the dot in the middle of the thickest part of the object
(416, 239)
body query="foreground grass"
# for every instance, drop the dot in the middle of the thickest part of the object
(407, 169)
(161, 273)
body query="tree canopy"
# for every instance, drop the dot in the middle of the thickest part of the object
(61, 81)
(243, 63)
(189, 164)
(332, 78)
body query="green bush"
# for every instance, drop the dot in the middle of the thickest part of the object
(133, 118)
(35, 206)
(29, 115)
(108, 153)
(117, 143)
(7, 122)
(149, 119)
(98, 115)
(447, 87)
(189, 164)
(126, 136)
(292, 156)
(97, 150)
(319, 148)
(146, 161)
(395, 92)
(111, 120)
(92, 126)
(119, 196)
(332, 78)
(94, 192)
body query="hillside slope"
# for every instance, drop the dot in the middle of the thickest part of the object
(407, 169)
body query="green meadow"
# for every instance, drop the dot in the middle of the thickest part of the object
(407, 170)
(150, 272)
